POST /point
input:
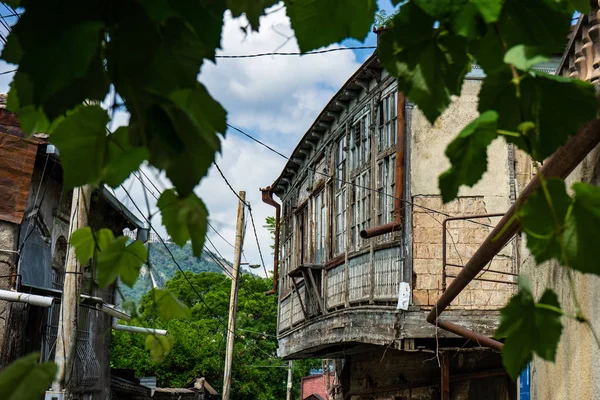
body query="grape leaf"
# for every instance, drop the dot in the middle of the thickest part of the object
(467, 22)
(553, 122)
(468, 155)
(118, 258)
(529, 328)
(86, 243)
(583, 229)
(430, 65)
(544, 232)
(541, 24)
(76, 32)
(159, 346)
(25, 379)
(123, 158)
(490, 9)
(318, 23)
(81, 139)
(205, 18)
(583, 6)
(253, 9)
(185, 218)
(524, 57)
(169, 307)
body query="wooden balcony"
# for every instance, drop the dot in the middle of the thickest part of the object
(581, 58)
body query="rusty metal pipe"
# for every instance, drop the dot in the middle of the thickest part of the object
(380, 230)
(267, 197)
(482, 340)
(561, 164)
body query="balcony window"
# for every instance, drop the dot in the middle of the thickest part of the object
(387, 121)
(386, 174)
(319, 217)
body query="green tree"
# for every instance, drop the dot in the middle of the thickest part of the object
(199, 342)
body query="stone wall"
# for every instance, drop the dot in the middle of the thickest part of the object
(492, 194)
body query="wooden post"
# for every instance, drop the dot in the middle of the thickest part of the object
(239, 240)
(445, 376)
(67, 325)
(288, 395)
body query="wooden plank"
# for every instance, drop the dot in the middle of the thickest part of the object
(316, 291)
(299, 299)
(445, 376)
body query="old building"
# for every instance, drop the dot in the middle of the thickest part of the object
(34, 234)
(367, 245)
(576, 372)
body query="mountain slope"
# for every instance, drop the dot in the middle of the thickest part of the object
(163, 267)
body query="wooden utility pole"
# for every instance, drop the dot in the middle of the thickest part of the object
(67, 325)
(239, 241)
(288, 395)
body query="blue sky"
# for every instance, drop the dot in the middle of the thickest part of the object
(272, 98)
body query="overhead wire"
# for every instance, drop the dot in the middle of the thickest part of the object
(200, 297)
(295, 53)
(247, 204)
(430, 210)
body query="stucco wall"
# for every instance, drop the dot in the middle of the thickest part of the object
(576, 372)
(490, 195)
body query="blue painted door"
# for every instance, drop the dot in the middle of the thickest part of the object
(525, 383)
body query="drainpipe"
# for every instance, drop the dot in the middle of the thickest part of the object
(396, 224)
(32, 299)
(138, 329)
(267, 197)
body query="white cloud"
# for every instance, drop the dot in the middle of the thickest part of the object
(278, 96)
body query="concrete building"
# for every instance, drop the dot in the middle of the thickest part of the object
(34, 234)
(367, 246)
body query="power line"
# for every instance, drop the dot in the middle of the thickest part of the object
(430, 210)
(251, 217)
(200, 297)
(293, 53)
(8, 72)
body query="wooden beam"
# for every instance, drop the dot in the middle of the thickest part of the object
(445, 376)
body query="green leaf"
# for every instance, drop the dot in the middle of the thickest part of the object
(253, 9)
(25, 379)
(541, 95)
(205, 18)
(81, 141)
(489, 9)
(467, 22)
(583, 6)
(168, 306)
(430, 64)
(118, 258)
(123, 158)
(529, 328)
(159, 346)
(318, 23)
(185, 218)
(86, 243)
(583, 229)
(544, 232)
(535, 23)
(468, 155)
(524, 57)
(76, 32)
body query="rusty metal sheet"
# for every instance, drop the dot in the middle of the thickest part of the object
(17, 159)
